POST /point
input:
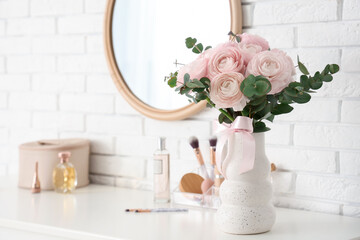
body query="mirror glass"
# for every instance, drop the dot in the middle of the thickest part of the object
(148, 38)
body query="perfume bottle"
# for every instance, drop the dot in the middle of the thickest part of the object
(64, 174)
(161, 173)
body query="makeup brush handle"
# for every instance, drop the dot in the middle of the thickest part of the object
(199, 156)
(203, 172)
(212, 174)
(212, 156)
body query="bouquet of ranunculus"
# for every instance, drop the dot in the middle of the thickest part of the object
(244, 77)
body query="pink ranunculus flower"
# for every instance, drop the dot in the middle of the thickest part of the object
(275, 65)
(225, 91)
(249, 50)
(225, 58)
(254, 39)
(196, 69)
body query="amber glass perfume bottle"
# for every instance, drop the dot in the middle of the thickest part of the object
(64, 174)
(161, 173)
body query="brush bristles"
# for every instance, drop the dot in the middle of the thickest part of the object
(213, 141)
(194, 142)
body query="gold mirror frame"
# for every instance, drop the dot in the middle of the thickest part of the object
(135, 102)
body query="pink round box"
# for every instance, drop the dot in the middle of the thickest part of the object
(45, 152)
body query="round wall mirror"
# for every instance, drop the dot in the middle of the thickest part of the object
(145, 41)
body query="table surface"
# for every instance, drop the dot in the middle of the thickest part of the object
(97, 212)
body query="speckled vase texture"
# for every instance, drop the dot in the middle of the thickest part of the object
(246, 198)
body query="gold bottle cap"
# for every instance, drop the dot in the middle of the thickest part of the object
(35, 187)
(64, 156)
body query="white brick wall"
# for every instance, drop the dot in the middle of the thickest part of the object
(30, 26)
(55, 7)
(54, 83)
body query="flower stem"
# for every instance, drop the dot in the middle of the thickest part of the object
(197, 48)
(220, 109)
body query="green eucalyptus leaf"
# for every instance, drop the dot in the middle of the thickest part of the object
(295, 84)
(281, 109)
(315, 84)
(290, 92)
(317, 76)
(272, 99)
(260, 124)
(198, 83)
(257, 101)
(327, 78)
(172, 82)
(249, 80)
(198, 48)
(262, 86)
(186, 78)
(190, 42)
(249, 91)
(302, 98)
(299, 88)
(285, 99)
(270, 118)
(185, 90)
(201, 96)
(208, 47)
(258, 108)
(238, 39)
(195, 84)
(304, 80)
(191, 85)
(205, 81)
(178, 88)
(227, 120)
(245, 111)
(198, 90)
(223, 118)
(302, 67)
(264, 113)
(334, 68)
(230, 110)
(326, 70)
(252, 85)
(260, 127)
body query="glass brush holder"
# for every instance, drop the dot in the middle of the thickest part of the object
(210, 199)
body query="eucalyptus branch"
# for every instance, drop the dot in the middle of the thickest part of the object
(220, 109)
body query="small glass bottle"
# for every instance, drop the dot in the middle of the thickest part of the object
(161, 173)
(64, 174)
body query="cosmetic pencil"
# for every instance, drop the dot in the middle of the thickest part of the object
(140, 210)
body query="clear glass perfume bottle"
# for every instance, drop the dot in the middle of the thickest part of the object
(161, 173)
(64, 174)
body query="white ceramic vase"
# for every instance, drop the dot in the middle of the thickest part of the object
(246, 198)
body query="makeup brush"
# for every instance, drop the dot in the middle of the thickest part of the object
(194, 143)
(217, 177)
(212, 142)
(208, 182)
